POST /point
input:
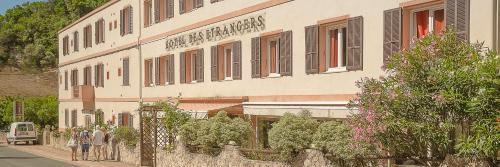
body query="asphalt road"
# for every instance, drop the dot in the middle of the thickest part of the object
(12, 158)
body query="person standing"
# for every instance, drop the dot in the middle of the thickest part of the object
(97, 140)
(73, 144)
(105, 144)
(85, 141)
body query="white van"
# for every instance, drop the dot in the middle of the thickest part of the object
(22, 132)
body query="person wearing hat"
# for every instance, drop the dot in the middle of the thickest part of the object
(73, 144)
(97, 141)
(85, 143)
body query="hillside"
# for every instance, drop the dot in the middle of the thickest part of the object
(20, 84)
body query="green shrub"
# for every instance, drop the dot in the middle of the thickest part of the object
(127, 135)
(292, 133)
(336, 138)
(216, 131)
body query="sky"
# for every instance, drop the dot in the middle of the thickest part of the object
(7, 4)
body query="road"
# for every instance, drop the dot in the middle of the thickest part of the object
(10, 157)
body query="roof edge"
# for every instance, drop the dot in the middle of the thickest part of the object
(91, 13)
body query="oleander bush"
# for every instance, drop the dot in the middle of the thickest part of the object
(215, 132)
(127, 135)
(292, 134)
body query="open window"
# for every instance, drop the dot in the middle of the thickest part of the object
(164, 70)
(272, 55)
(427, 20)
(226, 61)
(148, 72)
(191, 63)
(333, 50)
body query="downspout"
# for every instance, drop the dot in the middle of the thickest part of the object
(496, 35)
(140, 54)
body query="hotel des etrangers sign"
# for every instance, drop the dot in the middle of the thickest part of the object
(219, 32)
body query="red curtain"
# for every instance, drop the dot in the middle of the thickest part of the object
(422, 19)
(438, 21)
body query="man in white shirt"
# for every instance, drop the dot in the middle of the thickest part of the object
(97, 140)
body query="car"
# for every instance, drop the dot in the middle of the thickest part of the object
(22, 132)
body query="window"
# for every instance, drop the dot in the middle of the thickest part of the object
(87, 36)
(125, 119)
(66, 45)
(164, 70)
(87, 76)
(99, 75)
(88, 121)
(74, 78)
(333, 39)
(272, 55)
(126, 21)
(125, 72)
(335, 46)
(186, 6)
(66, 117)
(74, 118)
(191, 66)
(99, 31)
(76, 41)
(147, 13)
(226, 61)
(148, 73)
(427, 20)
(65, 80)
(164, 9)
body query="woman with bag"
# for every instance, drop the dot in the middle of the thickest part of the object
(73, 144)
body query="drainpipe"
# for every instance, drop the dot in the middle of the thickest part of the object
(139, 47)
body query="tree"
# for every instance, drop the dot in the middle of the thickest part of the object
(432, 95)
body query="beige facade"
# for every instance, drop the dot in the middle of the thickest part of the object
(325, 94)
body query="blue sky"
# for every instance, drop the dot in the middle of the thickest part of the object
(7, 4)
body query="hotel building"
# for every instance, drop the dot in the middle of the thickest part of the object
(252, 58)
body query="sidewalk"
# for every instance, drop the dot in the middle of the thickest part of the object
(65, 156)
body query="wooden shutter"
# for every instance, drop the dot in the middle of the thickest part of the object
(130, 121)
(237, 60)
(102, 30)
(157, 71)
(101, 70)
(198, 3)
(255, 59)
(213, 59)
(120, 119)
(355, 43)
(96, 33)
(182, 7)
(312, 44)
(122, 22)
(147, 73)
(457, 16)
(170, 8)
(96, 76)
(66, 117)
(285, 56)
(182, 67)
(157, 11)
(171, 71)
(65, 80)
(199, 65)
(75, 39)
(126, 72)
(74, 122)
(131, 20)
(392, 32)
(90, 36)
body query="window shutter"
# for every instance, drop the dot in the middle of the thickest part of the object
(237, 60)
(392, 32)
(96, 32)
(170, 8)
(355, 43)
(157, 71)
(286, 53)
(199, 3)
(122, 23)
(96, 76)
(102, 30)
(120, 119)
(131, 19)
(171, 71)
(182, 7)
(157, 11)
(90, 35)
(312, 56)
(182, 67)
(66, 117)
(130, 121)
(102, 75)
(125, 72)
(65, 80)
(199, 66)
(213, 60)
(457, 16)
(75, 39)
(255, 57)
